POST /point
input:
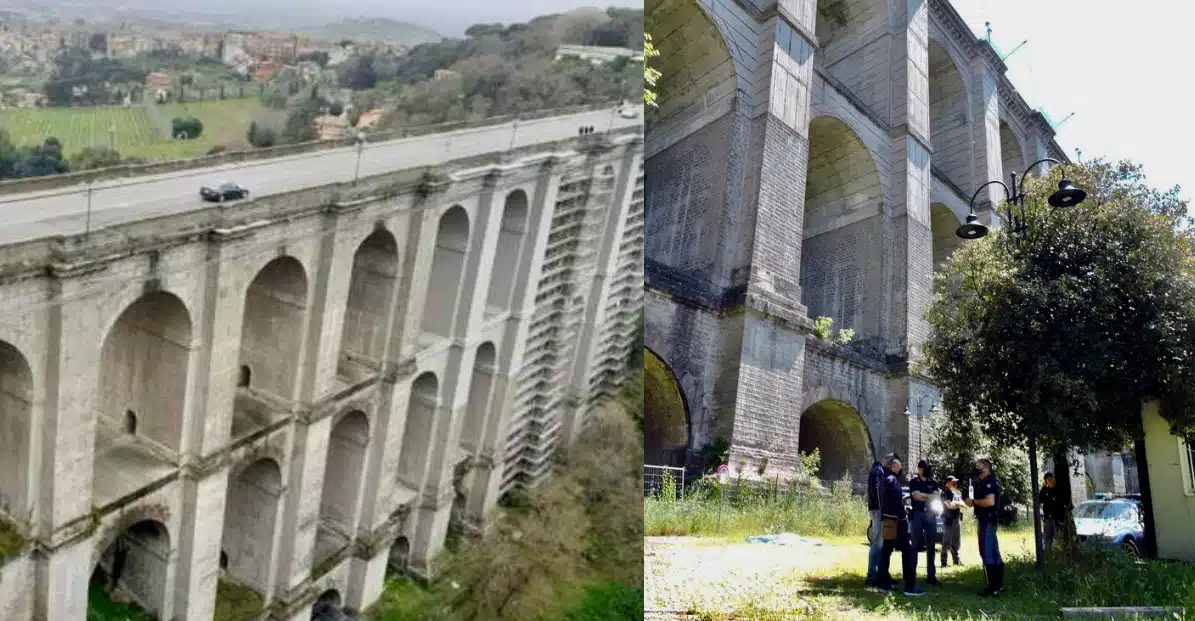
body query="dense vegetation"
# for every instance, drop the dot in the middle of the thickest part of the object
(571, 550)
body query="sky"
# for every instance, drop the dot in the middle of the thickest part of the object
(1122, 68)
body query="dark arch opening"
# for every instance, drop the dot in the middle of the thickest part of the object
(400, 554)
(367, 310)
(245, 377)
(666, 432)
(249, 520)
(130, 422)
(328, 607)
(130, 575)
(943, 224)
(16, 411)
(838, 433)
(344, 465)
(272, 325)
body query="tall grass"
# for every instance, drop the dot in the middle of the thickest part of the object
(755, 508)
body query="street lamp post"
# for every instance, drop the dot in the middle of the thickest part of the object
(921, 421)
(360, 150)
(1067, 195)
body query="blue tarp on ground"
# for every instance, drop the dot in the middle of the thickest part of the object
(783, 539)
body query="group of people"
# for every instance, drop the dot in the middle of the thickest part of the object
(894, 528)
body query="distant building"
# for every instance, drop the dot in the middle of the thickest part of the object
(264, 71)
(444, 74)
(597, 55)
(1171, 465)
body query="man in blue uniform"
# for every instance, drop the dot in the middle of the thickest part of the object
(874, 478)
(925, 524)
(892, 509)
(987, 507)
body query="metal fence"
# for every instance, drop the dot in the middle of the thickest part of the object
(663, 481)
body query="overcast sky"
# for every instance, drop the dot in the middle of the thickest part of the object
(1121, 67)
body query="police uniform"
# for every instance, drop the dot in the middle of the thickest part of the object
(924, 525)
(989, 543)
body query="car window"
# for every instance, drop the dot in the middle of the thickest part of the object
(1090, 509)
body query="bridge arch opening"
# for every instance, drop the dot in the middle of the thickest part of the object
(943, 224)
(16, 416)
(328, 607)
(695, 63)
(371, 291)
(400, 555)
(666, 425)
(448, 268)
(343, 476)
(843, 226)
(143, 370)
(949, 125)
(506, 256)
(131, 571)
(1012, 156)
(273, 326)
(840, 436)
(480, 386)
(417, 433)
(250, 515)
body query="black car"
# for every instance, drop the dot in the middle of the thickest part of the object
(223, 191)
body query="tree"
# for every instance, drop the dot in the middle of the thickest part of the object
(186, 127)
(650, 75)
(41, 160)
(336, 109)
(354, 117)
(261, 137)
(1064, 335)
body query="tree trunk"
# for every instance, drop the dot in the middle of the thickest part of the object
(1064, 529)
(1151, 536)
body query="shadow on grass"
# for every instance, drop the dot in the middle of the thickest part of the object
(1094, 579)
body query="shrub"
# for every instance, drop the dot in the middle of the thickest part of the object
(186, 127)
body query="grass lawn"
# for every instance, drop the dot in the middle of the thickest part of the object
(720, 578)
(137, 130)
(100, 607)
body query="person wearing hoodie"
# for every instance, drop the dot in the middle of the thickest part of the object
(895, 532)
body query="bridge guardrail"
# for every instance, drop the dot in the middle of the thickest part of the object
(66, 180)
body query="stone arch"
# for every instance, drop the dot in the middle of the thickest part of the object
(480, 388)
(327, 607)
(144, 361)
(950, 127)
(841, 436)
(696, 63)
(273, 326)
(511, 234)
(250, 513)
(134, 564)
(16, 419)
(667, 426)
(371, 289)
(417, 434)
(1012, 155)
(843, 222)
(943, 224)
(400, 554)
(343, 473)
(448, 268)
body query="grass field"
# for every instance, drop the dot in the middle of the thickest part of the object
(134, 131)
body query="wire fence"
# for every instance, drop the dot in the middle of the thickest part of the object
(664, 482)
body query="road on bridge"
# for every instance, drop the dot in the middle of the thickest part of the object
(66, 211)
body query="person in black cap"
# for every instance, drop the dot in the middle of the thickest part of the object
(925, 526)
(895, 532)
(987, 507)
(952, 518)
(1052, 509)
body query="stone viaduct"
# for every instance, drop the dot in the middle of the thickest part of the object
(810, 158)
(286, 396)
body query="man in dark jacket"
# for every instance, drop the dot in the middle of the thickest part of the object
(987, 510)
(874, 479)
(1052, 509)
(892, 509)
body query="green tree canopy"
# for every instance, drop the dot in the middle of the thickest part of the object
(1065, 334)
